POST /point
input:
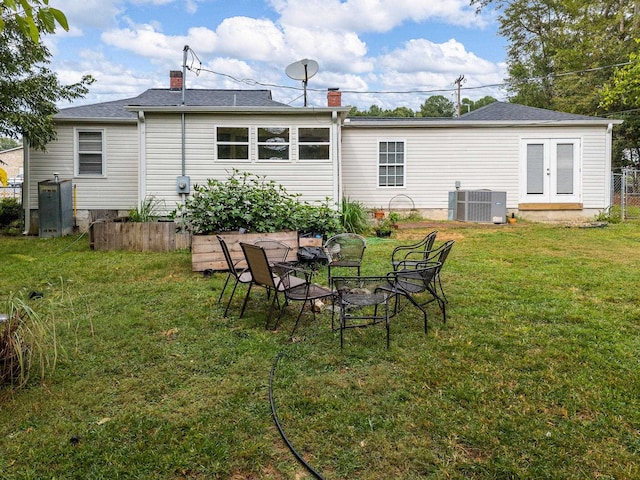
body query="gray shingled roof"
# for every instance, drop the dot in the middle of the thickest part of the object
(502, 111)
(163, 97)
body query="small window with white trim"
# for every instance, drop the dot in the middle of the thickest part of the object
(90, 148)
(391, 164)
(313, 143)
(273, 143)
(232, 143)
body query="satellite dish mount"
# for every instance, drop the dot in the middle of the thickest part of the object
(302, 70)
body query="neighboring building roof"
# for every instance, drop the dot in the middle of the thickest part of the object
(496, 113)
(164, 97)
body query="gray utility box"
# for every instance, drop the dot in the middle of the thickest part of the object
(55, 205)
(482, 206)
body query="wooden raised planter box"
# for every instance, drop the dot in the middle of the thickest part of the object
(137, 236)
(207, 254)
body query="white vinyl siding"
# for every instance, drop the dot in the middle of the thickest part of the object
(117, 189)
(313, 180)
(479, 158)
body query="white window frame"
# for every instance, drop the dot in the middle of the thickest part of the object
(217, 142)
(78, 152)
(379, 164)
(302, 144)
(549, 171)
(258, 144)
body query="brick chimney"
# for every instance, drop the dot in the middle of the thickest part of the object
(334, 97)
(175, 80)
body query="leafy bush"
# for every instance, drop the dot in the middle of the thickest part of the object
(10, 216)
(252, 203)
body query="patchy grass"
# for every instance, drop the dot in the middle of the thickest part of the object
(535, 375)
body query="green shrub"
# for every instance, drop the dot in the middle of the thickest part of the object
(11, 216)
(253, 203)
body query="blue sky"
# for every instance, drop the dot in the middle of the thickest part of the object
(366, 48)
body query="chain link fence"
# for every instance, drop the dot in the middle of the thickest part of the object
(626, 194)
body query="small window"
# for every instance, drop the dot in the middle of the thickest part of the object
(391, 164)
(90, 152)
(313, 143)
(232, 143)
(273, 143)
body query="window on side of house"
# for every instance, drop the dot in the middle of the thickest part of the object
(90, 147)
(232, 143)
(391, 162)
(313, 143)
(273, 143)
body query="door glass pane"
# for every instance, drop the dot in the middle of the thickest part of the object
(535, 168)
(564, 165)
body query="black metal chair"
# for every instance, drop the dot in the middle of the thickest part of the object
(277, 279)
(412, 281)
(440, 255)
(241, 275)
(362, 301)
(345, 250)
(417, 252)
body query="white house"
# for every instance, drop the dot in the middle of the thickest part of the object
(551, 165)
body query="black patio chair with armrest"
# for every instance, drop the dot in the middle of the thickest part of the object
(345, 250)
(362, 301)
(307, 292)
(412, 281)
(239, 274)
(417, 252)
(440, 255)
(275, 279)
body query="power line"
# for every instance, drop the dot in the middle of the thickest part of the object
(458, 88)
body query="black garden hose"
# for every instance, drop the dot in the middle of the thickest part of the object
(277, 422)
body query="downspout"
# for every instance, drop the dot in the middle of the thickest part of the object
(184, 75)
(607, 165)
(26, 204)
(142, 161)
(337, 164)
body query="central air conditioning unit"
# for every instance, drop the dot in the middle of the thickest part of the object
(482, 206)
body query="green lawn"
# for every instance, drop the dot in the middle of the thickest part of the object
(535, 375)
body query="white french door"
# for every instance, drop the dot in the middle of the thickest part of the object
(550, 171)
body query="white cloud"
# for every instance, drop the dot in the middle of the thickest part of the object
(249, 38)
(423, 55)
(90, 13)
(372, 15)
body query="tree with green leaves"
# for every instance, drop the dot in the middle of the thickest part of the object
(28, 89)
(561, 52)
(437, 106)
(32, 17)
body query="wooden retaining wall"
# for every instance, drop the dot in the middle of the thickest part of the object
(137, 236)
(206, 252)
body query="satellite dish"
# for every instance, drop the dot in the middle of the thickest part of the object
(302, 70)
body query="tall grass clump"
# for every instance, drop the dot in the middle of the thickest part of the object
(354, 216)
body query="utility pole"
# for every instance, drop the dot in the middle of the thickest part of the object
(458, 82)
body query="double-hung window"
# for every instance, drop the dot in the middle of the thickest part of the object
(90, 148)
(391, 162)
(313, 143)
(273, 143)
(232, 143)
